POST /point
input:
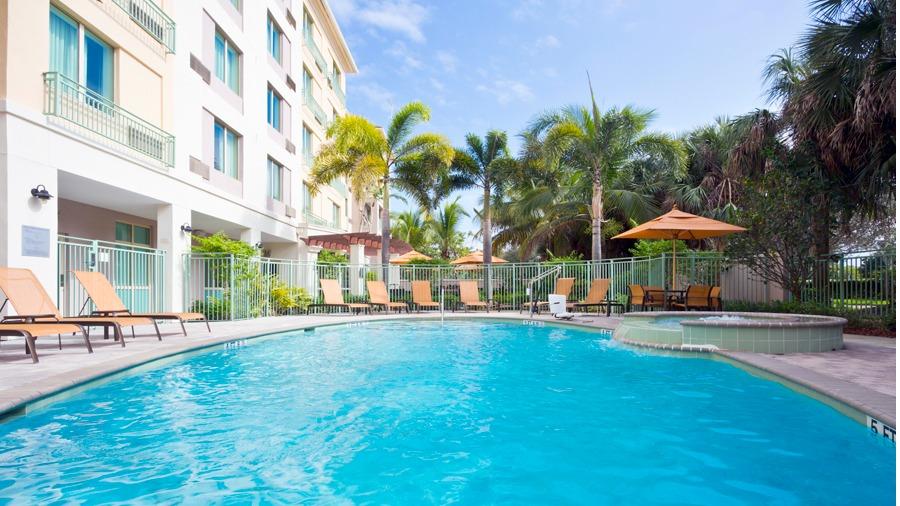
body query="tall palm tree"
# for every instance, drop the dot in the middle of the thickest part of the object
(482, 164)
(412, 227)
(604, 145)
(713, 181)
(444, 226)
(374, 160)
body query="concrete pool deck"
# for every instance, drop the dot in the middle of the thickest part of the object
(863, 375)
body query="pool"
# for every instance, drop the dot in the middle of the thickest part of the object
(411, 412)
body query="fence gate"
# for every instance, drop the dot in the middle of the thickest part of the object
(137, 273)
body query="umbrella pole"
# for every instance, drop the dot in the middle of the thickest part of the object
(673, 265)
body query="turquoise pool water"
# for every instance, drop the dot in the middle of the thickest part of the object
(470, 412)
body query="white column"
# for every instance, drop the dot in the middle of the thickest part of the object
(308, 256)
(28, 225)
(175, 242)
(251, 236)
(357, 271)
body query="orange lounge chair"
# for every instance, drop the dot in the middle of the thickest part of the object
(468, 295)
(421, 294)
(332, 296)
(563, 287)
(378, 296)
(108, 303)
(696, 297)
(596, 296)
(715, 298)
(28, 298)
(32, 331)
(645, 297)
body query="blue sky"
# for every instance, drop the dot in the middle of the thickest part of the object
(483, 64)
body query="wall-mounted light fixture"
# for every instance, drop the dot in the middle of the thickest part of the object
(186, 228)
(40, 192)
(259, 245)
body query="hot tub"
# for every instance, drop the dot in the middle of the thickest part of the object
(756, 332)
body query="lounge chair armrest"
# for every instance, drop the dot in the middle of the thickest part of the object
(28, 318)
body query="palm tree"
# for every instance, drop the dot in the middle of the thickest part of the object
(374, 160)
(713, 181)
(412, 227)
(445, 228)
(482, 164)
(604, 145)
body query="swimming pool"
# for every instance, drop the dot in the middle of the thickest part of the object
(410, 412)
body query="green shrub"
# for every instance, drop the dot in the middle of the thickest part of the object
(855, 318)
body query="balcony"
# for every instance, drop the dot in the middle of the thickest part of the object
(314, 219)
(314, 49)
(316, 109)
(72, 102)
(339, 185)
(335, 84)
(152, 19)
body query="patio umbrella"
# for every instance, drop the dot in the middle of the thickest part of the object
(677, 224)
(476, 258)
(408, 257)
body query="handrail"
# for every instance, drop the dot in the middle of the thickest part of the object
(532, 306)
(316, 109)
(152, 19)
(314, 49)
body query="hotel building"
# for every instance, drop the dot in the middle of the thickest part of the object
(145, 120)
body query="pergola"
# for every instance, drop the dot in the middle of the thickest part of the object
(342, 242)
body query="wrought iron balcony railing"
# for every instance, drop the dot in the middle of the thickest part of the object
(66, 99)
(152, 19)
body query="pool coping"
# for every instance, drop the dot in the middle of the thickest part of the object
(857, 398)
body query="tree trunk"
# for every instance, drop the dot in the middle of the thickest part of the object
(597, 221)
(486, 243)
(822, 248)
(385, 229)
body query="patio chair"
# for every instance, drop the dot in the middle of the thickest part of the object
(715, 298)
(32, 331)
(378, 296)
(32, 304)
(645, 297)
(421, 295)
(596, 297)
(107, 301)
(563, 287)
(468, 295)
(696, 297)
(333, 298)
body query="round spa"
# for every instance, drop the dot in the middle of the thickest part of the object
(756, 332)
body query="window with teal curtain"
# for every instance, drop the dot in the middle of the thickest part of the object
(225, 150)
(98, 66)
(307, 83)
(273, 108)
(274, 173)
(307, 146)
(274, 39)
(63, 45)
(307, 198)
(227, 63)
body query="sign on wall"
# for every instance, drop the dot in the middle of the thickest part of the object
(35, 242)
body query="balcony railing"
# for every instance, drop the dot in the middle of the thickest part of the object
(152, 19)
(72, 102)
(315, 219)
(339, 185)
(335, 83)
(316, 109)
(314, 49)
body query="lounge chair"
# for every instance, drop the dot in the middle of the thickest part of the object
(563, 287)
(421, 295)
(107, 301)
(378, 296)
(715, 298)
(696, 297)
(645, 297)
(333, 298)
(596, 297)
(468, 295)
(32, 331)
(32, 304)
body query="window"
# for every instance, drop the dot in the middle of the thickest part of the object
(236, 4)
(335, 215)
(307, 199)
(275, 174)
(335, 76)
(132, 234)
(307, 145)
(307, 83)
(93, 67)
(307, 24)
(228, 64)
(225, 150)
(274, 39)
(273, 109)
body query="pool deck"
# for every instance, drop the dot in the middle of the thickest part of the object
(863, 375)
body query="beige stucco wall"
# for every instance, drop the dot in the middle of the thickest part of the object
(90, 222)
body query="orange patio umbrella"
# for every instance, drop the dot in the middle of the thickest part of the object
(476, 258)
(677, 224)
(408, 257)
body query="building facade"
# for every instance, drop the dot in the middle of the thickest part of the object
(149, 120)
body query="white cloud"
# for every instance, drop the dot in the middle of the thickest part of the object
(507, 90)
(399, 51)
(448, 60)
(547, 41)
(399, 16)
(376, 95)
(436, 84)
(527, 9)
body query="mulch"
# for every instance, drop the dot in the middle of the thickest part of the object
(864, 331)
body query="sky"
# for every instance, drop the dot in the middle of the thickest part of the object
(495, 64)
